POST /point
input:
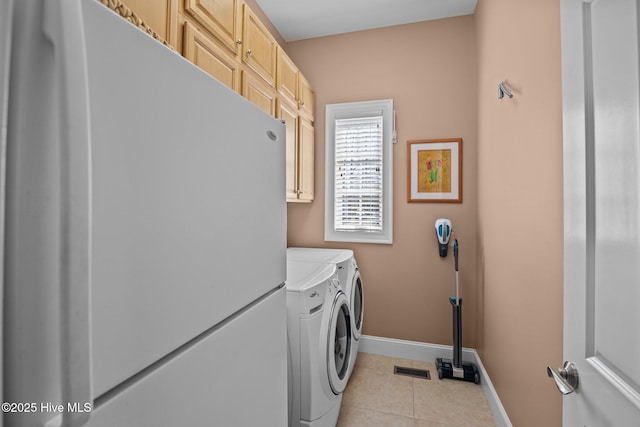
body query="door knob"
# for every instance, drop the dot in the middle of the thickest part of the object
(566, 378)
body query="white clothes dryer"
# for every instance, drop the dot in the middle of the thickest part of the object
(350, 281)
(320, 343)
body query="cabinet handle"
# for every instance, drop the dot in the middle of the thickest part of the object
(238, 42)
(249, 52)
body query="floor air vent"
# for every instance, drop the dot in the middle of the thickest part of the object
(412, 372)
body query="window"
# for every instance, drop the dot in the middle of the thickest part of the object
(358, 196)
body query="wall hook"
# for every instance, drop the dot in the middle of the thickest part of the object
(504, 90)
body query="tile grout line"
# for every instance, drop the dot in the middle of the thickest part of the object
(413, 396)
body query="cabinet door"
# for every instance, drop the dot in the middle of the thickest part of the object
(155, 14)
(258, 92)
(206, 54)
(306, 96)
(288, 112)
(286, 76)
(305, 160)
(258, 47)
(223, 18)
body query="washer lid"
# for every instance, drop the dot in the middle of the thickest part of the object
(303, 275)
(319, 255)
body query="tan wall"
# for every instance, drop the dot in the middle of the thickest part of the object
(510, 224)
(520, 206)
(429, 70)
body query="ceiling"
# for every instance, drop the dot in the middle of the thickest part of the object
(304, 19)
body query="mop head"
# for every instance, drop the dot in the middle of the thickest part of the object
(467, 371)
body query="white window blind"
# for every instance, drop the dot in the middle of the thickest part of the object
(358, 174)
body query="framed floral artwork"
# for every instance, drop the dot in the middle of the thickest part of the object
(434, 170)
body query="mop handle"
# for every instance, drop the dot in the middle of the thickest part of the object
(455, 257)
(455, 253)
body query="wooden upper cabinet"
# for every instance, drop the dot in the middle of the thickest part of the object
(200, 49)
(258, 47)
(158, 15)
(223, 18)
(258, 92)
(288, 112)
(286, 76)
(305, 158)
(292, 84)
(306, 97)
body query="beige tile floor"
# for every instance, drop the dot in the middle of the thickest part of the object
(375, 396)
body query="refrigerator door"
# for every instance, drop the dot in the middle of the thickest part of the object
(189, 220)
(184, 220)
(218, 381)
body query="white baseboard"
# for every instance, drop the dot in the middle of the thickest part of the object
(429, 352)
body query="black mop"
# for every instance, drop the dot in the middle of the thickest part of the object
(456, 368)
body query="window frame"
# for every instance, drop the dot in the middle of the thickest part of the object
(357, 110)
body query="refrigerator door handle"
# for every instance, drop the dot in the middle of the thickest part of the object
(63, 25)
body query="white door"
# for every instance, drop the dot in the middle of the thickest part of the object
(600, 77)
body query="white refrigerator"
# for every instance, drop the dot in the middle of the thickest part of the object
(143, 228)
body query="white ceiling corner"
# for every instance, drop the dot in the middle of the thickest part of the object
(304, 19)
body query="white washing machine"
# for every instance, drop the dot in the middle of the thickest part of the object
(350, 281)
(320, 343)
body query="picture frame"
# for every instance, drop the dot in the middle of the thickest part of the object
(434, 170)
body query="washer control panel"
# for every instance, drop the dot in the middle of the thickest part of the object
(314, 298)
